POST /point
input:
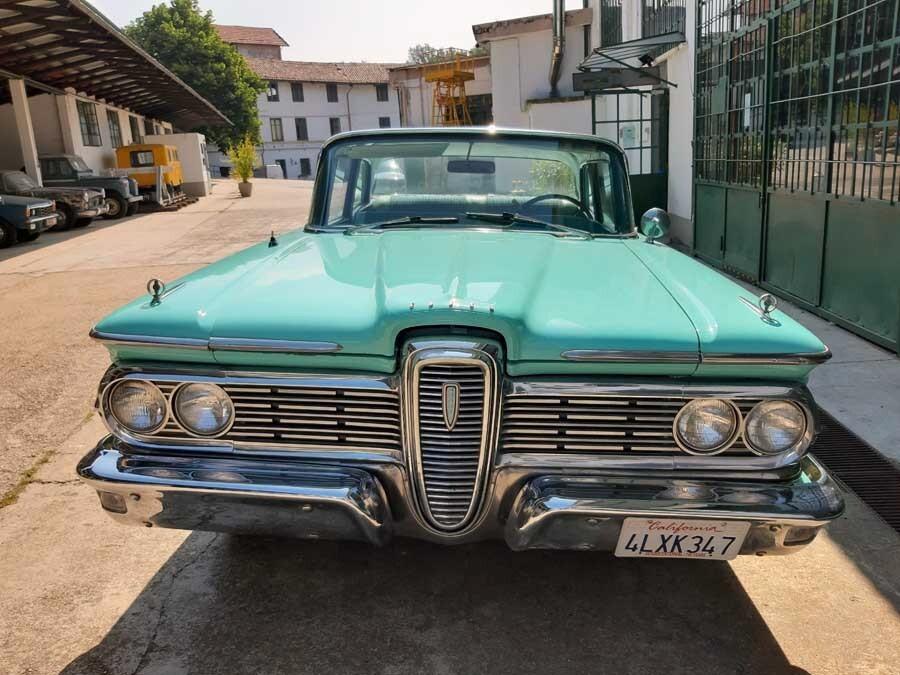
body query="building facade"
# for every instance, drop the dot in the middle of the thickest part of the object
(306, 103)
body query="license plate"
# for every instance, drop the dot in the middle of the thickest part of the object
(676, 538)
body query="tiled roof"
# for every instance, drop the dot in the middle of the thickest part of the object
(311, 71)
(250, 35)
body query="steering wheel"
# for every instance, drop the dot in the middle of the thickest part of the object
(551, 195)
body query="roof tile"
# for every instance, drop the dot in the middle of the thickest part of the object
(250, 35)
(314, 71)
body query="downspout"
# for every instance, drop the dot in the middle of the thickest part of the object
(559, 45)
(349, 114)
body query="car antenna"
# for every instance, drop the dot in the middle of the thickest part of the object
(272, 240)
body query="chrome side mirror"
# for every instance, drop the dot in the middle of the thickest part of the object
(655, 224)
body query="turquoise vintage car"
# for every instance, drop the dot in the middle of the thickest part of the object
(487, 348)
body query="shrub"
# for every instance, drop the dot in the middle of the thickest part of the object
(243, 157)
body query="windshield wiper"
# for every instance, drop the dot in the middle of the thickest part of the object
(507, 219)
(400, 222)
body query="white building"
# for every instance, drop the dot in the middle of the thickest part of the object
(308, 102)
(71, 82)
(606, 39)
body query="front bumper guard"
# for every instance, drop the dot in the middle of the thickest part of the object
(559, 511)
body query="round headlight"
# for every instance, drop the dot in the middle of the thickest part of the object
(775, 426)
(138, 406)
(706, 426)
(203, 409)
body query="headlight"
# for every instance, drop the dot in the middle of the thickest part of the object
(706, 426)
(138, 406)
(203, 409)
(775, 426)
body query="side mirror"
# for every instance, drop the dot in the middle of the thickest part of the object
(655, 224)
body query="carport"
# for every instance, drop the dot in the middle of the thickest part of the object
(66, 47)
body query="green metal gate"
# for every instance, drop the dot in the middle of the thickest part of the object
(797, 180)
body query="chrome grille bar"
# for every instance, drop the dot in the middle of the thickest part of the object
(450, 393)
(302, 417)
(597, 423)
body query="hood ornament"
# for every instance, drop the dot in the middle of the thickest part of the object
(450, 404)
(156, 288)
(767, 303)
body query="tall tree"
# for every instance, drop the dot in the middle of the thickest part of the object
(184, 39)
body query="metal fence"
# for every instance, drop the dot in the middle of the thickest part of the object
(658, 17)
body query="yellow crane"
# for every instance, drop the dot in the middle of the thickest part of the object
(449, 106)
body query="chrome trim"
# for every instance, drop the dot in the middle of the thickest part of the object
(422, 353)
(800, 359)
(272, 346)
(624, 356)
(738, 428)
(663, 357)
(147, 340)
(217, 344)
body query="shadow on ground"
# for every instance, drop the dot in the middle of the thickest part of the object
(232, 604)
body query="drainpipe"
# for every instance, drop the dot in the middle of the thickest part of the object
(349, 116)
(559, 45)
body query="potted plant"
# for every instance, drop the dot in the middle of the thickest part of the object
(243, 157)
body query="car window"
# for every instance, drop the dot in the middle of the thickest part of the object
(80, 164)
(141, 158)
(338, 195)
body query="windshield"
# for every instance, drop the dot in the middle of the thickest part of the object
(80, 164)
(19, 181)
(466, 179)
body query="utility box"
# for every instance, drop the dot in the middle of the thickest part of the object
(194, 160)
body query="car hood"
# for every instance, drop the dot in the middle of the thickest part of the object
(544, 295)
(52, 192)
(18, 200)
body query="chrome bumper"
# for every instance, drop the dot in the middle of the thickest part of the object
(369, 502)
(101, 210)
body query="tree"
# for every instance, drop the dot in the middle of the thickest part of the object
(183, 38)
(425, 53)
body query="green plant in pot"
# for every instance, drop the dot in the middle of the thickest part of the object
(243, 157)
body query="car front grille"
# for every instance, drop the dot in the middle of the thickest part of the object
(451, 455)
(42, 211)
(299, 417)
(596, 424)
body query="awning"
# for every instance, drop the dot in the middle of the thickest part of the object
(56, 44)
(625, 52)
(625, 66)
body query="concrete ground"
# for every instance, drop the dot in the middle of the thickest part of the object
(81, 594)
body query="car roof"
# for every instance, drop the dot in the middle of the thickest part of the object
(486, 132)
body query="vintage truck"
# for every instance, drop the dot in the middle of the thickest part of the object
(494, 352)
(77, 206)
(24, 218)
(121, 193)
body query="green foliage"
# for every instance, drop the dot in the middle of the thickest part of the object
(185, 41)
(550, 176)
(243, 157)
(425, 53)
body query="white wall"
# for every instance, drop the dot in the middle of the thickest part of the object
(572, 116)
(520, 69)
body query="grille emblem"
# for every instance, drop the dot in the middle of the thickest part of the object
(450, 405)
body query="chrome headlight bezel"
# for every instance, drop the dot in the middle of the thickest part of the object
(179, 417)
(722, 447)
(802, 443)
(114, 419)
